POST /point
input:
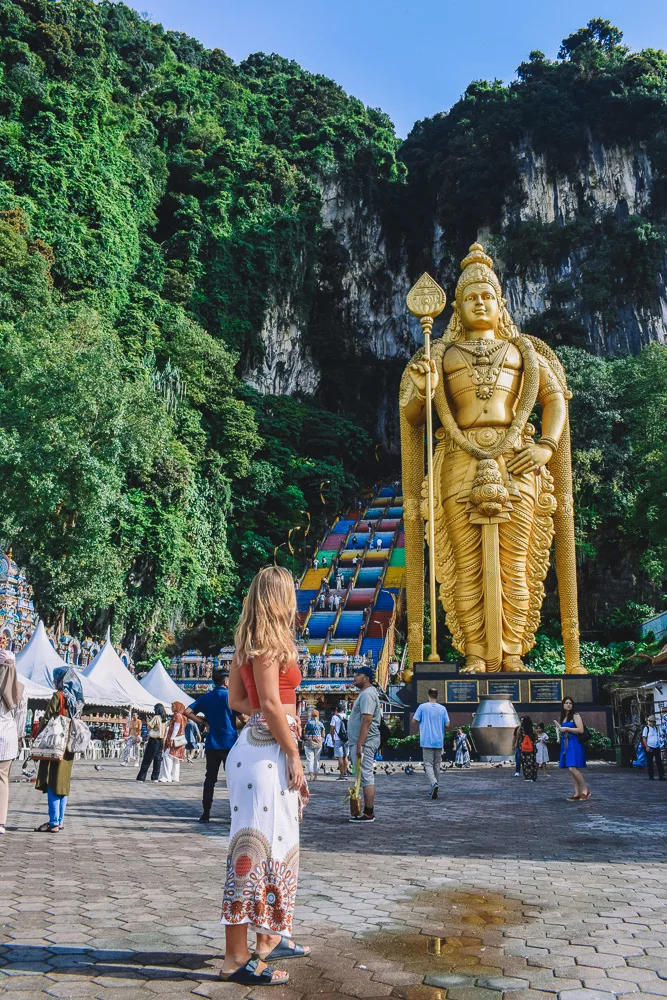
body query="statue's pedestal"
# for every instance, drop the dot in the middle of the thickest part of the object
(534, 694)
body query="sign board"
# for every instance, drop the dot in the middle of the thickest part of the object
(463, 691)
(508, 689)
(550, 689)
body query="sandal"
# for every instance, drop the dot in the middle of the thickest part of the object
(283, 951)
(46, 828)
(586, 796)
(247, 975)
(573, 798)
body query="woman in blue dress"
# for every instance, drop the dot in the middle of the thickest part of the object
(572, 752)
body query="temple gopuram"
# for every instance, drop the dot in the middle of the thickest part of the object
(18, 620)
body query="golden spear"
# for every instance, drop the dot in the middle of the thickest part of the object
(426, 300)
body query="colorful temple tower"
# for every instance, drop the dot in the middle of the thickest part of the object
(18, 618)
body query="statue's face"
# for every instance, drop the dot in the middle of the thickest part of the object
(480, 308)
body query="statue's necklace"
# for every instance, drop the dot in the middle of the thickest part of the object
(512, 437)
(487, 364)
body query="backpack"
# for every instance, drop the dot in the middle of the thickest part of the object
(342, 730)
(527, 745)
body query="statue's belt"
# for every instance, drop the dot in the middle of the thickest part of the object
(459, 479)
(483, 437)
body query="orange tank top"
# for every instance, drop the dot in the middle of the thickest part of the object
(288, 682)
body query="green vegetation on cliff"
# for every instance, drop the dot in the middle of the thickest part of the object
(464, 167)
(157, 202)
(155, 199)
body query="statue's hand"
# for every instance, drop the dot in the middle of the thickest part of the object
(528, 459)
(417, 373)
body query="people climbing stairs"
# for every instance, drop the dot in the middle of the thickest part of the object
(347, 598)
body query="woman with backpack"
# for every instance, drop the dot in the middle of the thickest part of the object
(572, 734)
(313, 740)
(528, 750)
(54, 776)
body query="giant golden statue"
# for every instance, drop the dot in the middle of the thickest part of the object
(497, 494)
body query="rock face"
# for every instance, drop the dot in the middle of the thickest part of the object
(610, 181)
(371, 316)
(287, 366)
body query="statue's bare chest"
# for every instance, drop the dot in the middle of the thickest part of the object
(482, 381)
(478, 355)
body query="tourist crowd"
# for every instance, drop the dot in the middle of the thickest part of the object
(254, 728)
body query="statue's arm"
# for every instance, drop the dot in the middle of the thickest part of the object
(554, 408)
(413, 404)
(554, 415)
(413, 390)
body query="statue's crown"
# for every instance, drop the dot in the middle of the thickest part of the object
(477, 266)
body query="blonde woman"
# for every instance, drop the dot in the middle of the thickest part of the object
(266, 784)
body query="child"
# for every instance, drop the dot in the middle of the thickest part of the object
(542, 752)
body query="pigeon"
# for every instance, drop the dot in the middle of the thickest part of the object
(98, 767)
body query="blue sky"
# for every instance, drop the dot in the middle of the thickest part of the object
(410, 59)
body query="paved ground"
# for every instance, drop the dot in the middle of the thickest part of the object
(499, 887)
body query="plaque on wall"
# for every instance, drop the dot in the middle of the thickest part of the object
(462, 691)
(508, 689)
(550, 689)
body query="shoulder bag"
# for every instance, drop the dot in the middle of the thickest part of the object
(51, 743)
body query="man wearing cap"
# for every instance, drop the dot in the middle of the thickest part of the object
(363, 729)
(651, 744)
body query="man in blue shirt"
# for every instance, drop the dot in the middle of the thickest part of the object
(433, 719)
(221, 735)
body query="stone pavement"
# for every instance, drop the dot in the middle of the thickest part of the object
(499, 887)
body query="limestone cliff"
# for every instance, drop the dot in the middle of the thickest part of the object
(367, 308)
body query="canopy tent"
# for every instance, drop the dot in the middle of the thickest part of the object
(162, 688)
(36, 691)
(37, 661)
(112, 678)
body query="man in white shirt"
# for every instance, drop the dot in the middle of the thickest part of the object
(338, 732)
(651, 744)
(433, 719)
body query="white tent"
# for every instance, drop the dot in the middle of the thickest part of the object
(37, 661)
(160, 685)
(34, 690)
(112, 678)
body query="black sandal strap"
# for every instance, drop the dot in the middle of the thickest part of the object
(247, 975)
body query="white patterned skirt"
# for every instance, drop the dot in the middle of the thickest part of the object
(263, 859)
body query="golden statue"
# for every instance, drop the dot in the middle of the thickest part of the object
(496, 496)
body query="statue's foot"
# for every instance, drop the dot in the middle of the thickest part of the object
(576, 670)
(515, 665)
(474, 665)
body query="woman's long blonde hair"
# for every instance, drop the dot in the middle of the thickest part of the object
(266, 625)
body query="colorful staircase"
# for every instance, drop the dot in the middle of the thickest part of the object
(372, 579)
